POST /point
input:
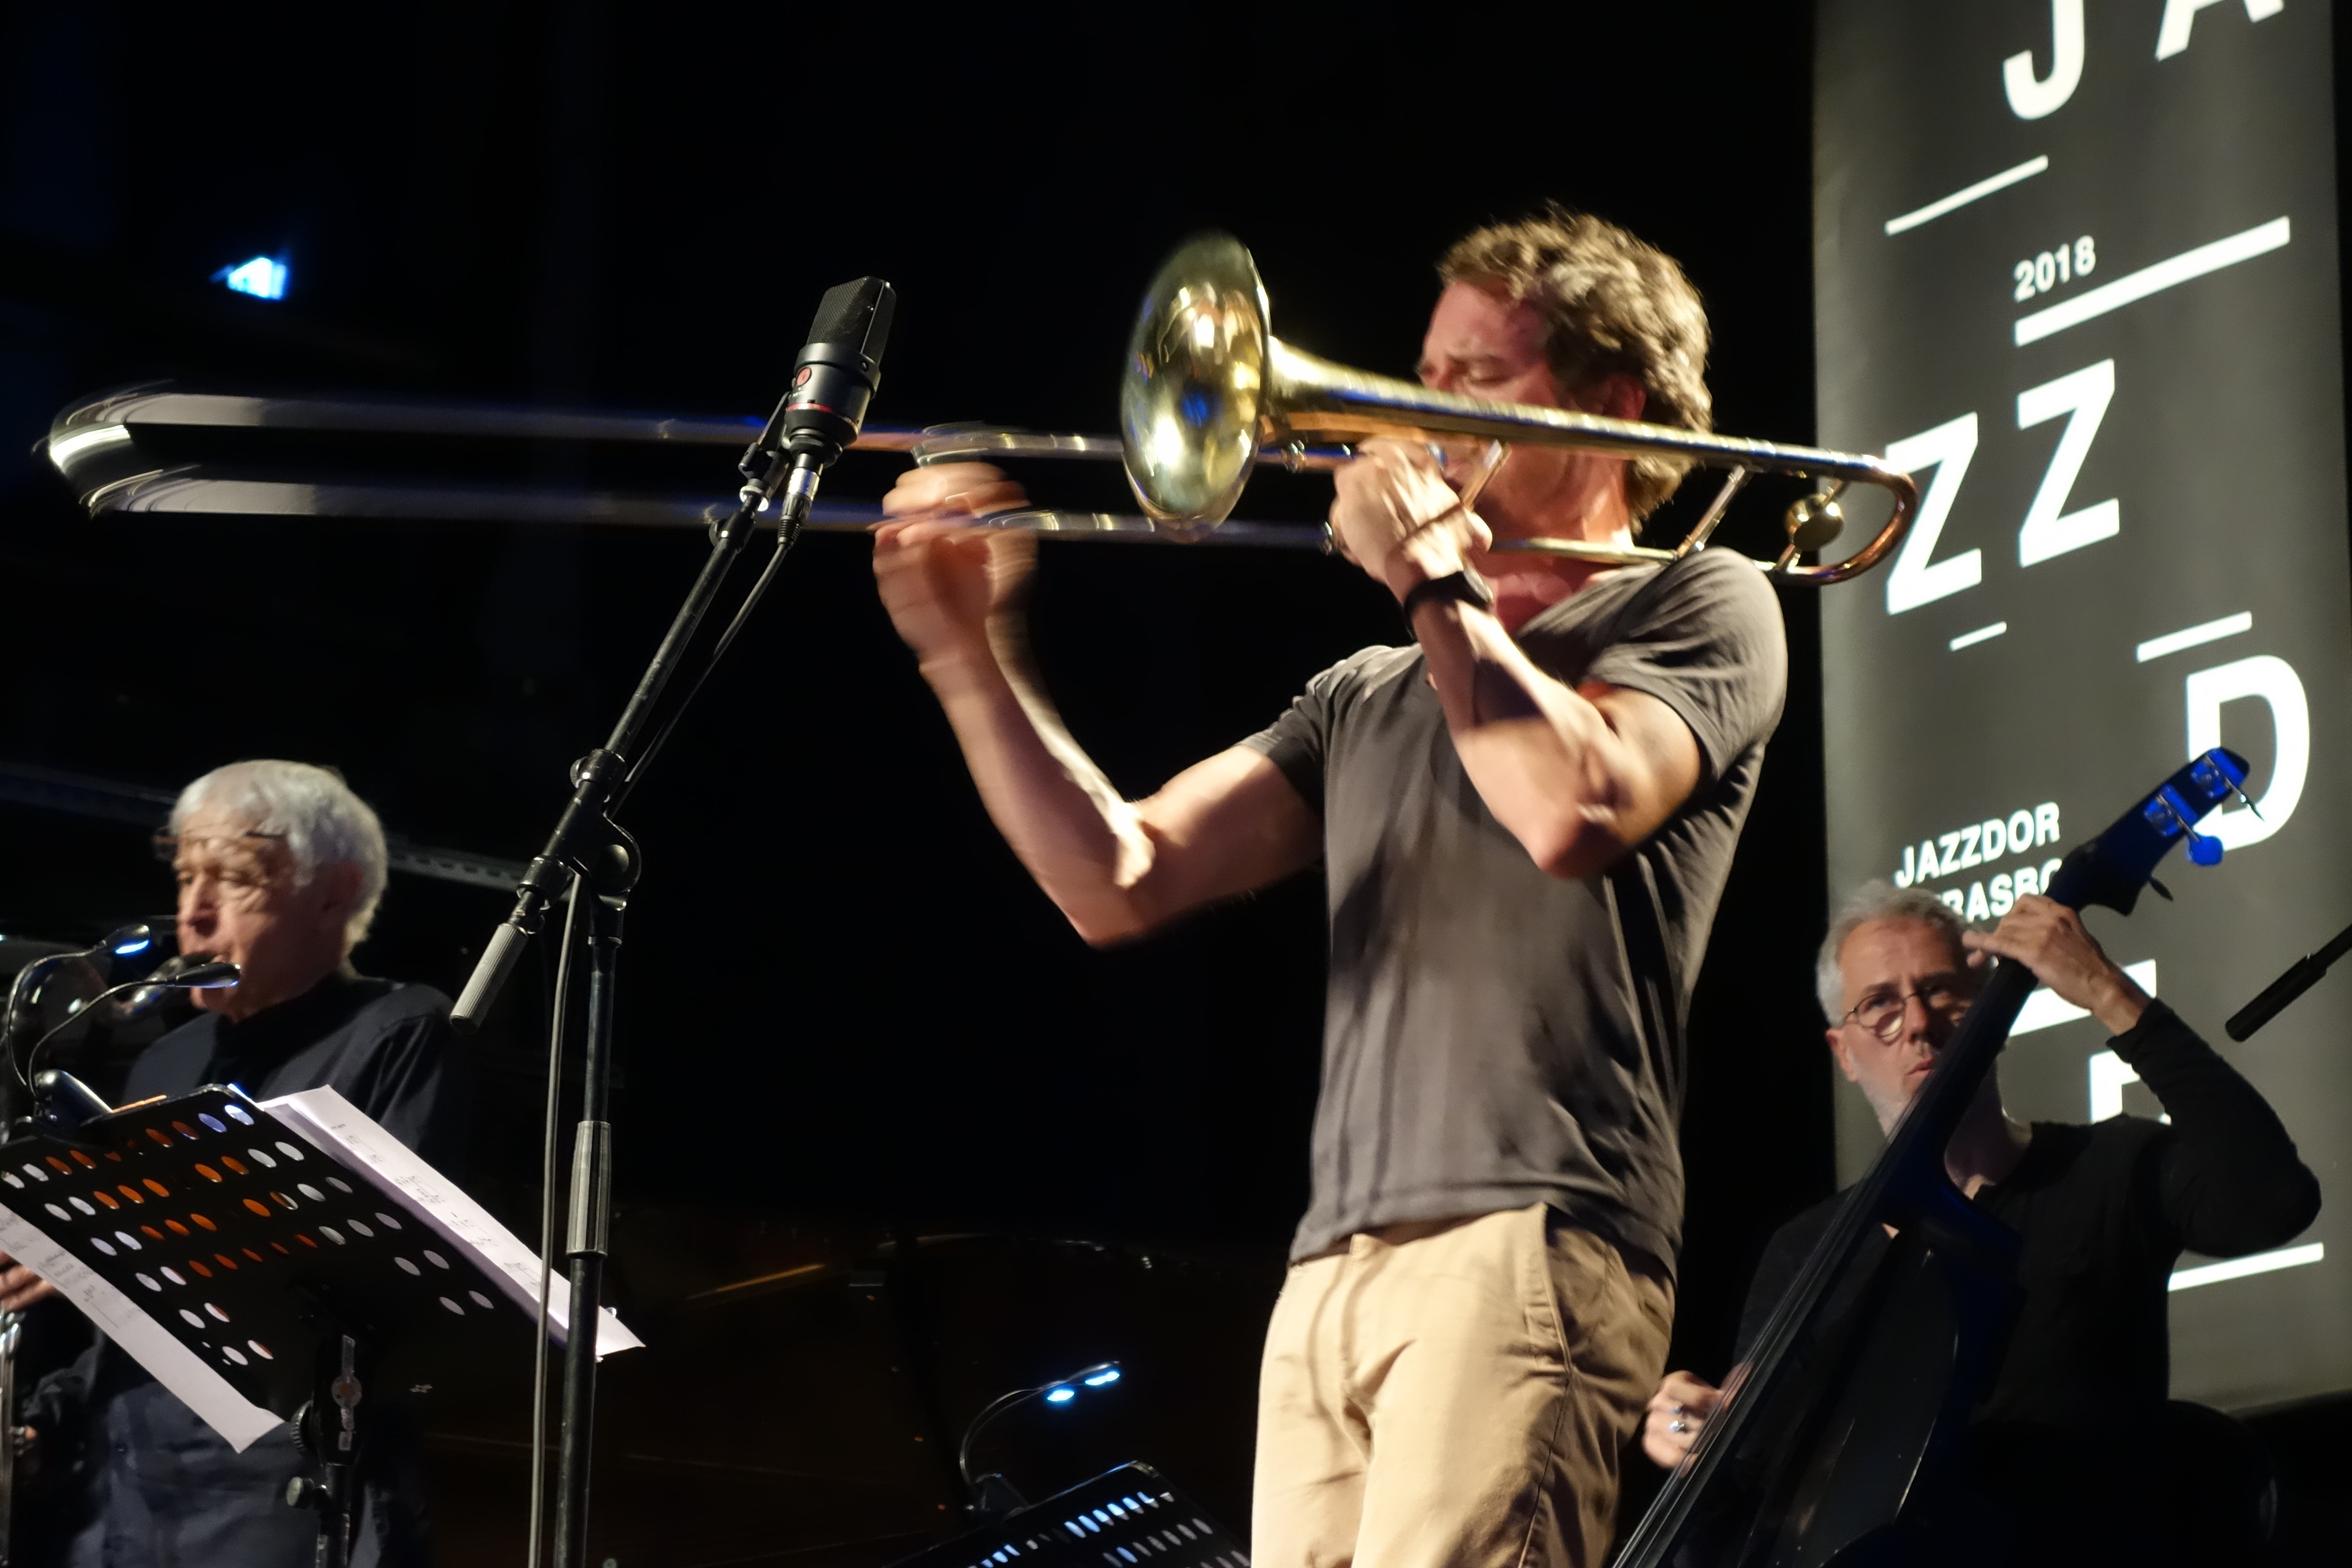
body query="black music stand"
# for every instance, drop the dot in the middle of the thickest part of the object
(256, 1275)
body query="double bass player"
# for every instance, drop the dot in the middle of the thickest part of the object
(2066, 1446)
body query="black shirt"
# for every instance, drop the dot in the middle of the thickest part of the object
(148, 1484)
(1494, 1036)
(2101, 1213)
(381, 1044)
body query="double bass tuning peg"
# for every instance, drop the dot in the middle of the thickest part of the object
(2168, 810)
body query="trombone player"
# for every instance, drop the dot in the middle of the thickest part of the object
(1526, 814)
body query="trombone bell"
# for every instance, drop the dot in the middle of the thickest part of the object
(1190, 403)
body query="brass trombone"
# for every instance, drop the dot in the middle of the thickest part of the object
(1208, 392)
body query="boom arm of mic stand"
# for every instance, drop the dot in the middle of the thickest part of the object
(586, 842)
(2301, 977)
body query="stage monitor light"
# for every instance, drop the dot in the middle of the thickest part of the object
(263, 278)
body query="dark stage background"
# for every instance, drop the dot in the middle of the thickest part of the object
(846, 1016)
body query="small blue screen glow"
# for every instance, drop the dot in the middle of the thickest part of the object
(263, 278)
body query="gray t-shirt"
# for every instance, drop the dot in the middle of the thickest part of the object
(1494, 1035)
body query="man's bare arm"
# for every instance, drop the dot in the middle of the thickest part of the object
(1580, 775)
(1115, 868)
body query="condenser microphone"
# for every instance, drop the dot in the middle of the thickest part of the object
(833, 385)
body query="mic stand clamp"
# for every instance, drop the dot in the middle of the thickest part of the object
(332, 1443)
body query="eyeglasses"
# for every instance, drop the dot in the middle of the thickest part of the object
(167, 843)
(1946, 996)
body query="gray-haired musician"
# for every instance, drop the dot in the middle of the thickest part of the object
(1526, 821)
(2070, 1442)
(280, 868)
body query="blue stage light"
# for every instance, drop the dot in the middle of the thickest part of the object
(1060, 1394)
(1107, 1374)
(263, 278)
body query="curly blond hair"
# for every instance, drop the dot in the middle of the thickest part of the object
(1612, 305)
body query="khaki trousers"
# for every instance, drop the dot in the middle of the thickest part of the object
(1454, 1394)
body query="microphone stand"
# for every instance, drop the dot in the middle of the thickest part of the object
(781, 468)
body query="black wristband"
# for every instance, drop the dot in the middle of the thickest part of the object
(1465, 586)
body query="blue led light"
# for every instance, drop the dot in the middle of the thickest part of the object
(1062, 1394)
(1107, 1374)
(127, 948)
(263, 278)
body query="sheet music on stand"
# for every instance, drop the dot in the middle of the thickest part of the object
(221, 1242)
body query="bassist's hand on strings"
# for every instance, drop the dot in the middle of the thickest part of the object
(2049, 939)
(1676, 1412)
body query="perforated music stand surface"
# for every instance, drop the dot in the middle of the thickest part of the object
(1132, 1517)
(251, 1248)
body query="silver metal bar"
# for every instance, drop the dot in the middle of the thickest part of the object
(946, 443)
(109, 800)
(169, 406)
(1705, 528)
(1133, 528)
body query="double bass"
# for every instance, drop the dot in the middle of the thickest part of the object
(1834, 1446)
